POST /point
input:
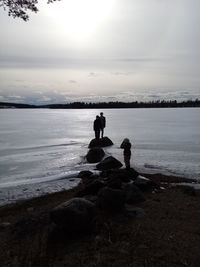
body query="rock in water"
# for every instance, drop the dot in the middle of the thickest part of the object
(109, 163)
(103, 142)
(95, 155)
(74, 215)
(111, 200)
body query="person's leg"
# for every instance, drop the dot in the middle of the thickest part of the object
(127, 161)
(98, 134)
(102, 131)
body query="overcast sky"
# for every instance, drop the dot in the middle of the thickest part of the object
(102, 50)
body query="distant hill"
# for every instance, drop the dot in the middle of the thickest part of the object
(117, 104)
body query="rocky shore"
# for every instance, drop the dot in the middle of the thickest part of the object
(117, 218)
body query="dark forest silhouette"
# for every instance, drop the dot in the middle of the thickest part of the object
(117, 104)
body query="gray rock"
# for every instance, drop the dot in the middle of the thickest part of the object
(103, 142)
(145, 184)
(95, 155)
(74, 215)
(111, 200)
(109, 163)
(91, 188)
(123, 174)
(114, 182)
(133, 194)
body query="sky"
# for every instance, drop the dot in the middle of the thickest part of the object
(101, 50)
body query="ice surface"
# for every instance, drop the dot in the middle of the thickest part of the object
(41, 146)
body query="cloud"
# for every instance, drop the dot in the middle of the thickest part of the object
(93, 74)
(12, 98)
(140, 59)
(118, 73)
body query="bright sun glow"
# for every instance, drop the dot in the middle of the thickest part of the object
(79, 19)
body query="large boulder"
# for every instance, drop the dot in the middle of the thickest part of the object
(95, 155)
(112, 200)
(145, 184)
(91, 188)
(74, 215)
(114, 182)
(133, 174)
(133, 194)
(103, 142)
(109, 163)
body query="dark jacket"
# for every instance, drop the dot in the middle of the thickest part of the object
(103, 121)
(127, 148)
(97, 124)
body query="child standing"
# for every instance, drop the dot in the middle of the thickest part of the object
(126, 145)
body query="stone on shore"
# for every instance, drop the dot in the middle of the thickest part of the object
(109, 163)
(123, 174)
(103, 142)
(145, 184)
(133, 194)
(91, 188)
(74, 215)
(95, 155)
(114, 182)
(111, 200)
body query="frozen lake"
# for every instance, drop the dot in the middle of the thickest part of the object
(43, 145)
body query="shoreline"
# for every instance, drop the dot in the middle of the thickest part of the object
(24, 192)
(163, 180)
(156, 239)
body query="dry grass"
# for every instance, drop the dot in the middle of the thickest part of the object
(168, 235)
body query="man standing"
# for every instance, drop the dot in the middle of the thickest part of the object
(103, 123)
(97, 127)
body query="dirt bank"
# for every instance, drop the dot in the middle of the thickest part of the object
(168, 234)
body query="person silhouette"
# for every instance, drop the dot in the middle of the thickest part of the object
(126, 145)
(97, 127)
(103, 123)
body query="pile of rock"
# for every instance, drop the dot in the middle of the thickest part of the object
(96, 153)
(110, 191)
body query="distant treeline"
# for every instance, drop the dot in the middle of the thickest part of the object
(15, 105)
(117, 104)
